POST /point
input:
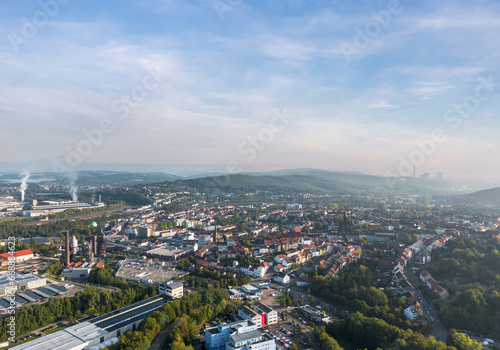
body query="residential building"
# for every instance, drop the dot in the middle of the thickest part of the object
(281, 278)
(412, 312)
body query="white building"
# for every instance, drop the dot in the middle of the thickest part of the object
(174, 289)
(248, 314)
(251, 340)
(411, 312)
(281, 278)
(269, 316)
(240, 335)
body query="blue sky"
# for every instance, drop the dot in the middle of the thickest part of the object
(222, 70)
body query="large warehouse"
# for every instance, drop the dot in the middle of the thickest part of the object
(97, 333)
(20, 283)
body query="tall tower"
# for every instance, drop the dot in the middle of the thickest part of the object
(215, 237)
(101, 245)
(68, 252)
(94, 245)
(74, 244)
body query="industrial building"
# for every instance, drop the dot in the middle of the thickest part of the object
(31, 295)
(77, 273)
(99, 332)
(147, 272)
(17, 256)
(314, 314)
(21, 282)
(239, 335)
(174, 289)
(166, 252)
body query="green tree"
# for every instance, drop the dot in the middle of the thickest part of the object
(463, 342)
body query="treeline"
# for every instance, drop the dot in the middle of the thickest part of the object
(106, 276)
(463, 342)
(87, 302)
(353, 290)
(78, 227)
(477, 308)
(222, 280)
(471, 273)
(187, 314)
(472, 262)
(371, 333)
(135, 195)
(327, 342)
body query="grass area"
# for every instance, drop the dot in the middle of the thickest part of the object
(55, 329)
(13, 219)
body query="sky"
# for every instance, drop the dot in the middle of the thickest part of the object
(238, 85)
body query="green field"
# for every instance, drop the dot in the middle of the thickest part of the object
(12, 219)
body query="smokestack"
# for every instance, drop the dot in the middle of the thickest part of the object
(414, 171)
(68, 252)
(94, 245)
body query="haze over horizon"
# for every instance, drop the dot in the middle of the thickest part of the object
(250, 87)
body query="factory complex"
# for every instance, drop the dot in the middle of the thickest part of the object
(99, 332)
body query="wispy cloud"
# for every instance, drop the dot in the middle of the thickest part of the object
(222, 79)
(381, 104)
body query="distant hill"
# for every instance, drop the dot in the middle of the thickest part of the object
(313, 181)
(116, 178)
(491, 196)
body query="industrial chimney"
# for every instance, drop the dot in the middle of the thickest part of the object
(68, 252)
(94, 245)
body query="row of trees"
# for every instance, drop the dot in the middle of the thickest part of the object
(187, 314)
(471, 273)
(353, 289)
(373, 333)
(87, 302)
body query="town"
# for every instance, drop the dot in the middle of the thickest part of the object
(271, 260)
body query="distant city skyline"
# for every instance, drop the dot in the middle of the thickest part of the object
(370, 86)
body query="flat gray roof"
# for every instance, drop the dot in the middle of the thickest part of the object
(245, 336)
(19, 277)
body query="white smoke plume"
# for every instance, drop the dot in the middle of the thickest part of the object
(73, 189)
(24, 183)
(74, 192)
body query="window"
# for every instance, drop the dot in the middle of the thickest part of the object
(102, 339)
(118, 333)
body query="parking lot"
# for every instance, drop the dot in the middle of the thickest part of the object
(284, 332)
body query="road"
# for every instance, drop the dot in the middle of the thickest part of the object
(159, 343)
(439, 331)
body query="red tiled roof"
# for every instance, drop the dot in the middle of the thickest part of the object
(17, 253)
